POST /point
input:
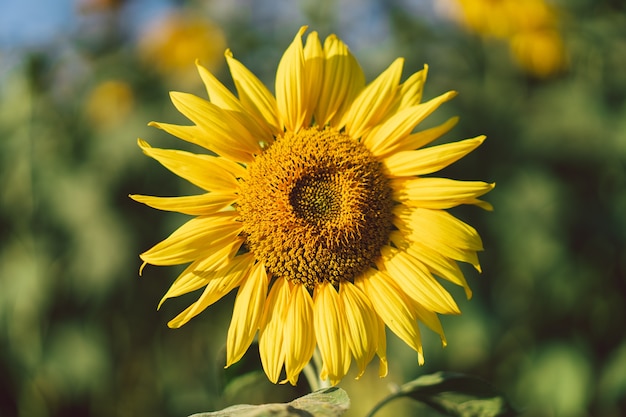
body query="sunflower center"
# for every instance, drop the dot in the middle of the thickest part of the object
(317, 198)
(315, 207)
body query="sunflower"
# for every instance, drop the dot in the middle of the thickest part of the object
(317, 210)
(531, 28)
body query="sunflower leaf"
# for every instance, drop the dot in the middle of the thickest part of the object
(454, 394)
(328, 402)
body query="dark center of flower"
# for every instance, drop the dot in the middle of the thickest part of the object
(315, 207)
(317, 198)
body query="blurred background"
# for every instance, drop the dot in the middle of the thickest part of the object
(80, 80)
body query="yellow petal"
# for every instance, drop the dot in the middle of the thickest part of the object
(353, 77)
(409, 94)
(290, 85)
(192, 134)
(299, 333)
(227, 136)
(438, 193)
(272, 329)
(441, 232)
(361, 324)
(207, 172)
(428, 160)
(196, 205)
(415, 280)
(431, 320)
(194, 239)
(393, 306)
(330, 331)
(201, 271)
(247, 313)
(222, 97)
(446, 227)
(381, 349)
(435, 262)
(313, 74)
(401, 124)
(221, 282)
(412, 89)
(342, 75)
(254, 95)
(418, 139)
(372, 103)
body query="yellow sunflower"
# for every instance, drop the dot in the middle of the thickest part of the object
(317, 209)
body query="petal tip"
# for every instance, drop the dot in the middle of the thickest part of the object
(142, 265)
(143, 144)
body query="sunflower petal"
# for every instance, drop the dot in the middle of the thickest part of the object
(272, 329)
(372, 104)
(431, 320)
(223, 98)
(299, 333)
(381, 349)
(416, 281)
(393, 306)
(399, 126)
(436, 263)
(343, 79)
(330, 331)
(290, 85)
(192, 134)
(196, 205)
(361, 324)
(200, 272)
(194, 239)
(440, 231)
(438, 193)
(218, 93)
(207, 172)
(227, 136)
(313, 73)
(254, 95)
(428, 160)
(418, 139)
(412, 89)
(247, 313)
(219, 284)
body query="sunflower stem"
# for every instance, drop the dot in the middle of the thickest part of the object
(317, 360)
(311, 376)
(312, 373)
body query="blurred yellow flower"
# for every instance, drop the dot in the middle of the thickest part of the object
(539, 52)
(530, 27)
(109, 103)
(172, 43)
(494, 18)
(319, 209)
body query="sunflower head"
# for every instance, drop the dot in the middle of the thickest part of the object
(319, 209)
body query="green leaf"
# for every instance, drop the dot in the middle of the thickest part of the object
(454, 395)
(328, 402)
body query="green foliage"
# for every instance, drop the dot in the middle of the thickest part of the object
(455, 395)
(328, 402)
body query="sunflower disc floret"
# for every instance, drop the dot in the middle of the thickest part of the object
(316, 207)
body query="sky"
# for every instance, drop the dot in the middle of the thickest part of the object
(35, 23)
